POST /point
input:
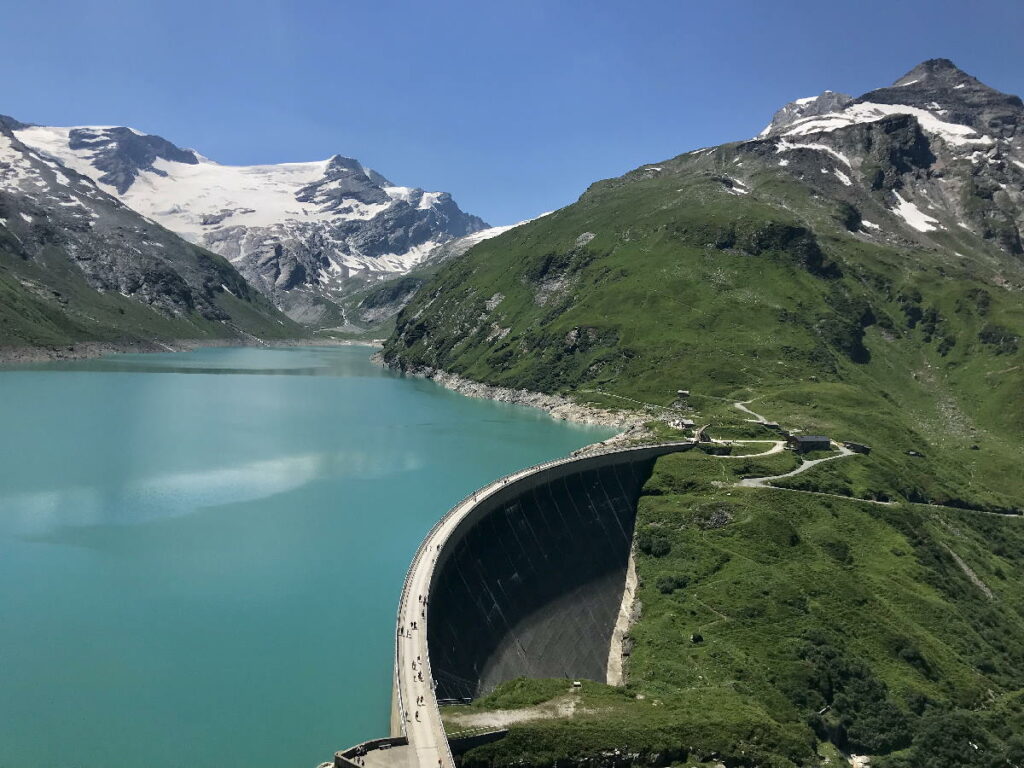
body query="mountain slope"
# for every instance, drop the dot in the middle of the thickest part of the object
(857, 272)
(301, 233)
(78, 265)
(879, 252)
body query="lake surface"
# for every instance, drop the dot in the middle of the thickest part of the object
(201, 553)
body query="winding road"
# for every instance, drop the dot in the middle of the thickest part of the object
(762, 482)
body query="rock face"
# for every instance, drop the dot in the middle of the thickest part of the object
(810, 106)
(941, 150)
(939, 86)
(304, 234)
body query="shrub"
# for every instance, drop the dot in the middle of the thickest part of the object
(669, 584)
(653, 544)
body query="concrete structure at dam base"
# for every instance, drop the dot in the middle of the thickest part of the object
(523, 578)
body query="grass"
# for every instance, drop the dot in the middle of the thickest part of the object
(46, 302)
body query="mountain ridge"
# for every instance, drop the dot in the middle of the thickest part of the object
(304, 234)
(77, 265)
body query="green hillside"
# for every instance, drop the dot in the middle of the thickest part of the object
(46, 302)
(767, 296)
(864, 283)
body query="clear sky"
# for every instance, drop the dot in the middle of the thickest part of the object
(513, 107)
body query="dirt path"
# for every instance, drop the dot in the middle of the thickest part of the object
(562, 707)
(762, 482)
(974, 578)
(778, 446)
(758, 418)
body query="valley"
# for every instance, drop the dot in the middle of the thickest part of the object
(797, 542)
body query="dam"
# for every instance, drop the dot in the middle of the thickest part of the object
(523, 578)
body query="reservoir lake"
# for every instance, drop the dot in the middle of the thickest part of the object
(201, 553)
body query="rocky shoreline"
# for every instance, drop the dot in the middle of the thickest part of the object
(557, 406)
(93, 349)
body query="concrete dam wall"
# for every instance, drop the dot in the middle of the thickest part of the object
(531, 582)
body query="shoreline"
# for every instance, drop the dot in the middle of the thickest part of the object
(557, 406)
(86, 350)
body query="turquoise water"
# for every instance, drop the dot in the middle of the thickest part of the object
(201, 553)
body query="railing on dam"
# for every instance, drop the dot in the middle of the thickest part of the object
(427, 744)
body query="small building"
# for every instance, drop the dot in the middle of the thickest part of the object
(857, 447)
(771, 425)
(682, 393)
(806, 443)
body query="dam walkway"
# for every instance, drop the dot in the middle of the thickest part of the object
(418, 738)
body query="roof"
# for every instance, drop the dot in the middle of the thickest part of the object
(811, 438)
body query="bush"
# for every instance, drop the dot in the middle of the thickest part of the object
(653, 544)
(669, 584)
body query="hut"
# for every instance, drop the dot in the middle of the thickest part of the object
(857, 447)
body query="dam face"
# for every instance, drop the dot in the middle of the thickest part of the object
(532, 582)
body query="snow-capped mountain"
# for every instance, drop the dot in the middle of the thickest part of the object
(942, 152)
(76, 263)
(302, 233)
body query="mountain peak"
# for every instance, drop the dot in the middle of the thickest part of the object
(934, 69)
(939, 86)
(936, 87)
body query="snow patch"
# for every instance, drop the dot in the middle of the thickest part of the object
(869, 224)
(842, 177)
(784, 146)
(737, 188)
(26, 217)
(867, 112)
(914, 216)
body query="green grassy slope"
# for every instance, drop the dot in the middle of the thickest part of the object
(46, 302)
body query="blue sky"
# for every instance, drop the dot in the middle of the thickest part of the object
(513, 107)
